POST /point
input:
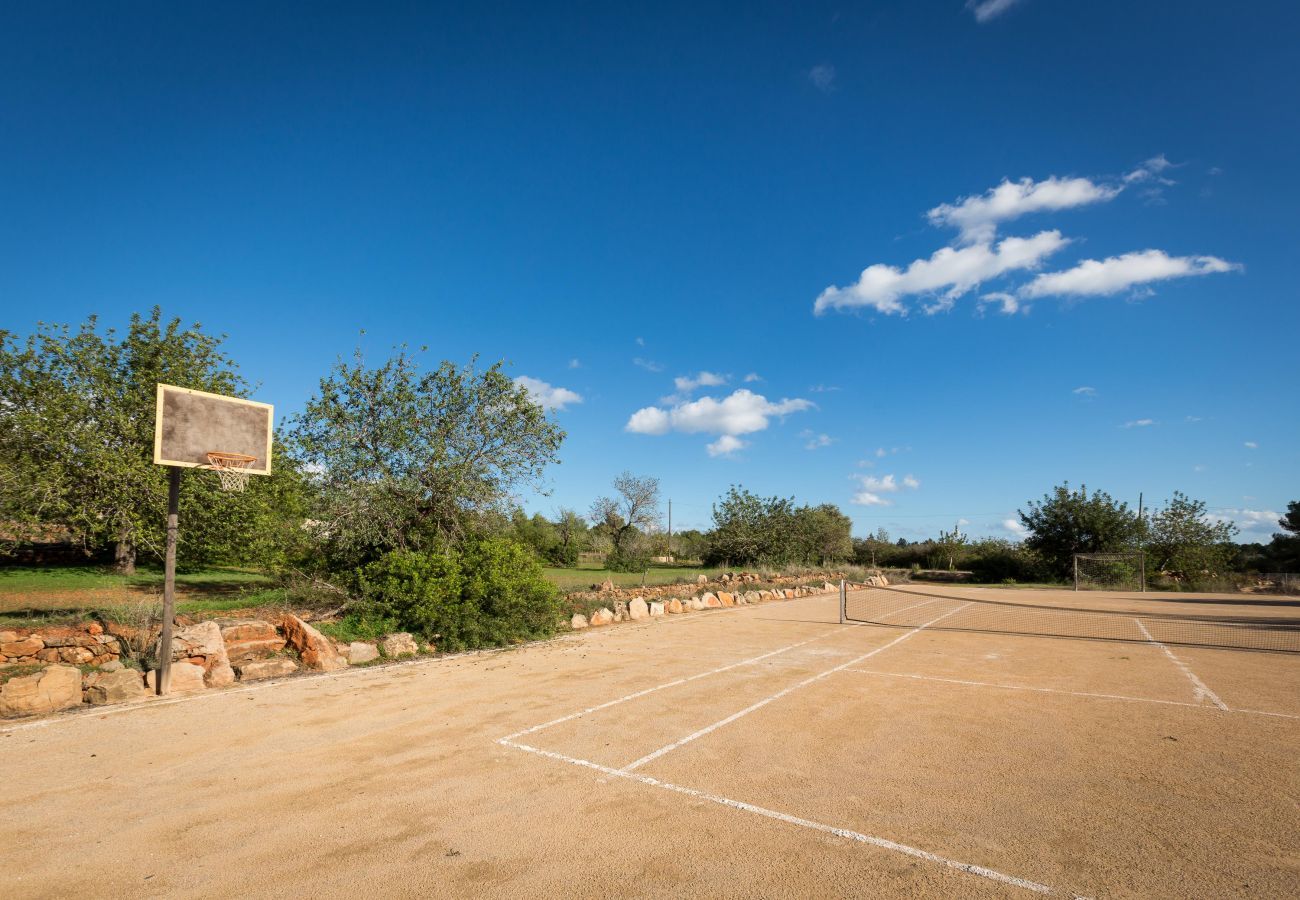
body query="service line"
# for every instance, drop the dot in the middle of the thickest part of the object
(1199, 688)
(709, 729)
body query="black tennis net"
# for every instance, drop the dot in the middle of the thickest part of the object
(898, 608)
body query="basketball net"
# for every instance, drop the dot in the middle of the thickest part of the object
(232, 469)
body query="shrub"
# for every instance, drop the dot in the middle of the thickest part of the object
(565, 557)
(487, 593)
(627, 561)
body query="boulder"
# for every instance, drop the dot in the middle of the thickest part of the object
(53, 688)
(362, 652)
(114, 665)
(185, 679)
(250, 639)
(399, 644)
(607, 585)
(119, 686)
(578, 621)
(656, 608)
(828, 587)
(202, 644)
(752, 597)
(711, 601)
(602, 616)
(638, 609)
(726, 599)
(674, 606)
(695, 603)
(314, 648)
(28, 646)
(789, 594)
(620, 610)
(75, 656)
(8, 637)
(274, 667)
(702, 579)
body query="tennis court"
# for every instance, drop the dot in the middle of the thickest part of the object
(761, 751)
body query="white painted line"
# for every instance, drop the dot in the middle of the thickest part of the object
(1201, 691)
(883, 843)
(708, 729)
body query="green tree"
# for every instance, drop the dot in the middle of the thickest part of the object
(76, 441)
(1067, 522)
(739, 535)
(1184, 542)
(571, 537)
(829, 534)
(408, 459)
(624, 517)
(950, 544)
(1283, 552)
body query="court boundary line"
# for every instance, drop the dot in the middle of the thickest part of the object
(742, 806)
(1199, 689)
(709, 729)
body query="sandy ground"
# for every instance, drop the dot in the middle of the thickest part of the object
(781, 755)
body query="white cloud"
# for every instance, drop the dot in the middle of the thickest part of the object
(1093, 277)
(1150, 171)
(823, 389)
(1008, 304)
(887, 484)
(547, 395)
(978, 217)
(961, 522)
(822, 77)
(1251, 445)
(648, 365)
(741, 412)
(1085, 391)
(1015, 527)
(987, 10)
(725, 445)
(817, 441)
(1191, 420)
(867, 498)
(687, 384)
(752, 377)
(1139, 423)
(910, 482)
(575, 363)
(1255, 520)
(640, 342)
(952, 270)
(880, 452)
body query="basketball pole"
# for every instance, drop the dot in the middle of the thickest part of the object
(169, 581)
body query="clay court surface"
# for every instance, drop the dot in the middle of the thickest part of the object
(761, 751)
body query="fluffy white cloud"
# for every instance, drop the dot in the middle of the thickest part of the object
(985, 10)
(1008, 304)
(1251, 445)
(1015, 527)
(910, 482)
(977, 218)
(867, 498)
(951, 270)
(752, 377)
(547, 395)
(1255, 520)
(741, 412)
(817, 441)
(1150, 171)
(725, 445)
(1094, 277)
(686, 383)
(872, 487)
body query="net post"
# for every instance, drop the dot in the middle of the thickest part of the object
(1142, 567)
(1076, 573)
(163, 682)
(844, 599)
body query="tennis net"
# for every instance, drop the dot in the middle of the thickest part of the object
(899, 608)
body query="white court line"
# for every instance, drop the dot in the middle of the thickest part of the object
(883, 843)
(1201, 691)
(680, 681)
(708, 729)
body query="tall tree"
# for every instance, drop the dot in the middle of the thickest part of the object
(633, 509)
(1183, 541)
(1067, 522)
(406, 458)
(76, 436)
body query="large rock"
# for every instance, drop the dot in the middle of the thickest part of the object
(313, 647)
(602, 616)
(702, 579)
(362, 652)
(789, 594)
(656, 608)
(607, 585)
(119, 686)
(399, 644)
(578, 621)
(250, 639)
(53, 688)
(751, 596)
(202, 645)
(726, 599)
(185, 679)
(711, 601)
(674, 606)
(28, 646)
(274, 667)
(638, 609)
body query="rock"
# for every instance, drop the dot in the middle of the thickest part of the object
(313, 647)
(702, 579)
(828, 587)
(620, 610)
(112, 666)
(251, 639)
(674, 606)
(274, 667)
(884, 582)
(711, 601)
(606, 585)
(656, 609)
(399, 644)
(51, 689)
(28, 646)
(638, 609)
(726, 599)
(752, 597)
(75, 656)
(695, 603)
(116, 687)
(789, 594)
(602, 616)
(578, 621)
(186, 678)
(361, 652)
(202, 644)
(8, 637)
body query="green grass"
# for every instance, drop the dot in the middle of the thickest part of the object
(582, 577)
(32, 579)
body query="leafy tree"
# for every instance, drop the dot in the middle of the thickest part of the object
(950, 543)
(690, 544)
(829, 534)
(571, 537)
(409, 459)
(1067, 522)
(1184, 542)
(76, 442)
(624, 517)
(740, 528)
(1283, 552)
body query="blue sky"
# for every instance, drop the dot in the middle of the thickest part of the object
(809, 194)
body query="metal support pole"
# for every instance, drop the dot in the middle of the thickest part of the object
(844, 601)
(163, 683)
(1076, 572)
(1142, 561)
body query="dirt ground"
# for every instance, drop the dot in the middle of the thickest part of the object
(761, 751)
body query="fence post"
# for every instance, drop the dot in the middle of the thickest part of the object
(844, 600)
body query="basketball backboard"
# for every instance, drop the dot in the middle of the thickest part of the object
(191, 424)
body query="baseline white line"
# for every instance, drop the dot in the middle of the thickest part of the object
(1200, 690)
(883, 843)
(668, 684)
(708, 729)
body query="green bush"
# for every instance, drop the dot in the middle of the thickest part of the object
(627, 561)
(490, 592)
(565, 557)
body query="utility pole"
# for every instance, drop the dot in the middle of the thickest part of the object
(670, 529)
